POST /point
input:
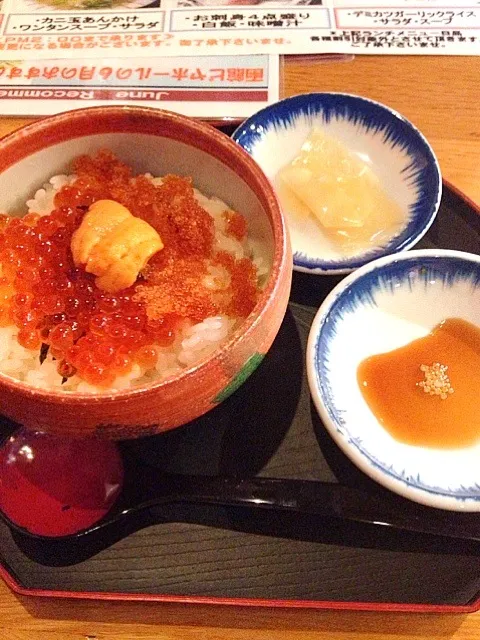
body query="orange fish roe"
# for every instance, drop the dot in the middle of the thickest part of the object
(176, 288)
(243, 284)
(99, 336)
(171, 209)
(236, 225)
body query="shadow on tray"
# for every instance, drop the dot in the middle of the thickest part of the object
(302, 527)
(239, 438)
(242, 434)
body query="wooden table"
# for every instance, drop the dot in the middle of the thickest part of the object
(439, 95)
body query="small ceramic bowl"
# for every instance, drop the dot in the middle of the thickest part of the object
(396, 151)
(382, 306)
(158, 142)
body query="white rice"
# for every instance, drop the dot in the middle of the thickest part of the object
(192, 344)
(42, 201)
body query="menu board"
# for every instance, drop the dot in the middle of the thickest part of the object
(207, 87)
(73, 29)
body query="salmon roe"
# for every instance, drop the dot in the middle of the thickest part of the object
(96, 335)
(236, 224)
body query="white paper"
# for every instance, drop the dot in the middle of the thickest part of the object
(43, 29)
(208, 87)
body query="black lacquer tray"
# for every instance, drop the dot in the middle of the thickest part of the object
(238, 556)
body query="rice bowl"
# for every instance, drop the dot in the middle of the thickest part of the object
(192, 342)
(159, 143)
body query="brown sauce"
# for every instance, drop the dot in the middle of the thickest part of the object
(390, 385)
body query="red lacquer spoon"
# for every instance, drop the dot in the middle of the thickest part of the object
(55, 486)
(61, 488)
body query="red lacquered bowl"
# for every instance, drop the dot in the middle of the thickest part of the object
(158, 142)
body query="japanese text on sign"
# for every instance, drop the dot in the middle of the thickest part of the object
(252, 19)
(66, 23)
(401, 18)
(207, 86)
(38, 29)
(99, 73)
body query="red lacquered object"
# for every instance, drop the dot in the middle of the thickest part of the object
(55, 486)
(159, 142)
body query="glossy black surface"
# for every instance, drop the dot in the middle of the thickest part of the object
(145, 488)
(266, 429)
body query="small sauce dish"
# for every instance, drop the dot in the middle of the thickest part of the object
(398, 155)
(379, 308)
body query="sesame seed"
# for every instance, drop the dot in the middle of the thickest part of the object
(436, 381)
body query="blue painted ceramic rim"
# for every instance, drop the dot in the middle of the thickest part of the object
(423, 171)
(450, 267)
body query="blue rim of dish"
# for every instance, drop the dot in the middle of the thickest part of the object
(423, 172)
(449, 266)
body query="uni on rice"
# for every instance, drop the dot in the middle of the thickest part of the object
(112, 280)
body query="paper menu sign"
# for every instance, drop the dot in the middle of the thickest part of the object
(206, 87)
(43, 29)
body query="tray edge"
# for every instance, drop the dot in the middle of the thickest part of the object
(21, 590)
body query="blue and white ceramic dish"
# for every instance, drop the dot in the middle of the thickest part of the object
(396, 151)
(382, 306)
